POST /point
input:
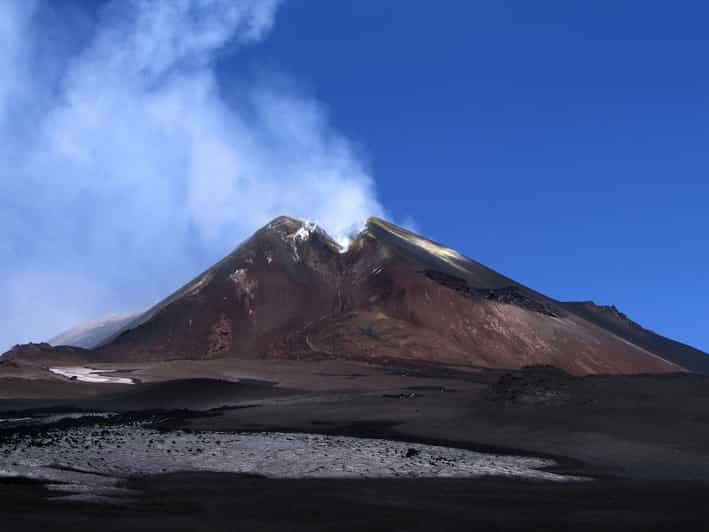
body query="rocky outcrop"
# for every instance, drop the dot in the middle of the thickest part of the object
(511, 295)
(533, 385)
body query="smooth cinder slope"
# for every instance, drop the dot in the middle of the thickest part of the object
(291, 292)
(611, 319)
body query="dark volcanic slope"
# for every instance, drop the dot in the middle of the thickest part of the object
(611, 319)
(291, 292)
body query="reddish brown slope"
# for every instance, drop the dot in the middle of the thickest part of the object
(289, 292)
(611, 319)
(413, 299)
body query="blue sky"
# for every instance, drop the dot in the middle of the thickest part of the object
(561, 143)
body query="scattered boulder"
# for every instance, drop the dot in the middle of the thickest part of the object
(532, 385)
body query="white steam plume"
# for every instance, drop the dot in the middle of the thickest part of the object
(126, 170)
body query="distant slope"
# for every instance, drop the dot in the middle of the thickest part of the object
(611, 319)
(92, 334)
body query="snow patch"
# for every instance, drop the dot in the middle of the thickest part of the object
(90, 375)
(305, 232)
(301, 235)
(245, 287)
(94, 462)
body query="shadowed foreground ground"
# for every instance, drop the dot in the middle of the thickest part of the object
(212, 501)
(644, 439)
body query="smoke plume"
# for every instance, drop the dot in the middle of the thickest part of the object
(127, 169)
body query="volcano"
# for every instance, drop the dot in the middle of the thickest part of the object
(292, 292)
